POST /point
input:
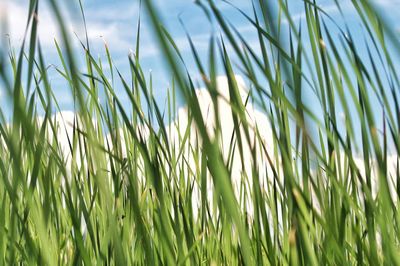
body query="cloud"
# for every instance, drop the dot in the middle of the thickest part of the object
(387, 3)
(102, 23)
(15, 14)
(260, 133)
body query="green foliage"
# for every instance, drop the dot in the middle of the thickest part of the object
(127, 197)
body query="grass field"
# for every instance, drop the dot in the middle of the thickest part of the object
(249, 171)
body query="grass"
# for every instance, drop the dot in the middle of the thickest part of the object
(332, 184)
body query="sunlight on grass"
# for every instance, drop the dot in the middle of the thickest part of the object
(284, 153)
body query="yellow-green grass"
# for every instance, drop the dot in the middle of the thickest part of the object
(206, 184)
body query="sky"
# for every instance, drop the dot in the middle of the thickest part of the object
(115, 23)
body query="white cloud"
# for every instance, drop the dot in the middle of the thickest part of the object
(16, 14)
(387, 3)
(259, 130)
(102, 24)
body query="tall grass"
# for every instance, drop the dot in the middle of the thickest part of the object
(120, 190)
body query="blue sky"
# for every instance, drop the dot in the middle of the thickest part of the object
(114, 22)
